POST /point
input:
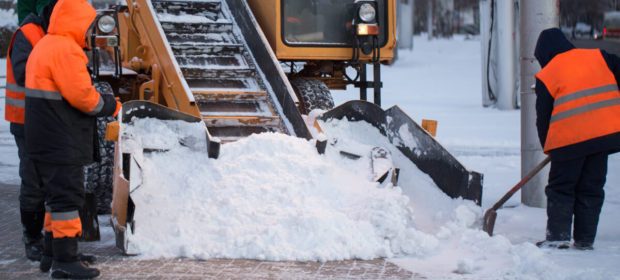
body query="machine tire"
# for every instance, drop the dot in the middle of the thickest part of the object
(98, 175)
(313, 93)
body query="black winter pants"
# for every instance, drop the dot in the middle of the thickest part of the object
(31, 194)
(64, 185)
(575, 191)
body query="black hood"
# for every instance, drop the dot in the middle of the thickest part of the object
(551, 42)
(46, 13)
(32, 18)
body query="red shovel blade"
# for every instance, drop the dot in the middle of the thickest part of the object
(488, 221)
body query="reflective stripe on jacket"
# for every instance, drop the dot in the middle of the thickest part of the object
(586, 98)
(15, 97)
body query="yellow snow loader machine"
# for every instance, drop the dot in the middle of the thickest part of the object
(252, 66)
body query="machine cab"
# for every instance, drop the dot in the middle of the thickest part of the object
(328, 29)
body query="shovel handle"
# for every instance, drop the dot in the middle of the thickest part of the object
(523, 181)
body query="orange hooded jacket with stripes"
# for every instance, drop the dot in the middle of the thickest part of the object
(15, 92)
(61, 102)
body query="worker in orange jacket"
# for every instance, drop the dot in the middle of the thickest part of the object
(61, 110)
(578, 121)
(31, 195)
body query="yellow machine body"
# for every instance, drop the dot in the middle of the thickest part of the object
(270, 15)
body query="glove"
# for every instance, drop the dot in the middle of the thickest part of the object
(103, 88)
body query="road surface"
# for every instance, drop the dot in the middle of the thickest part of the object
(611, 46)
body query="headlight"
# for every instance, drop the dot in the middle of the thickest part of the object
(367, 12)
(106, 24)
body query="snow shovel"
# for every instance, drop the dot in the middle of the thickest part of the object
(488, 221)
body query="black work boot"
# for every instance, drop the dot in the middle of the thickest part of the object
(553, 244)
(46, 257)
(73, 270)
(32, 224)
(89, 259)
(586, 246)
(33, 248)
(66, 263)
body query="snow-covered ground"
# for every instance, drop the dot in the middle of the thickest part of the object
(291, 203)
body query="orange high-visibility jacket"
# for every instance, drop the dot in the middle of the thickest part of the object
(15, 94)
(61, 102)
(586, 98)
(57, 68)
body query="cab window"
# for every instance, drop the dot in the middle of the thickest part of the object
(311, 22)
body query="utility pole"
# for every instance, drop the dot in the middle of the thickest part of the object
(506, 55)
(499, 46)
(486, 25)
(413, 20)
(535, 16)
(405, 24)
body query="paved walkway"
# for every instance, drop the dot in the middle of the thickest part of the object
(113, 265)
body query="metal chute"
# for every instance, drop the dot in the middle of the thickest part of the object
(427, 154)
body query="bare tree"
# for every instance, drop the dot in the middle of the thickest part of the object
(419, 21)
(444, 20)
(587, 11)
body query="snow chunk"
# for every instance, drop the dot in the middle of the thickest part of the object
(407, 137)
(187, 18)
(154, 134)
(466, 266)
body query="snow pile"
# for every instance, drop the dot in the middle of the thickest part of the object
(463, 249)
(273, 197)
(269, 196)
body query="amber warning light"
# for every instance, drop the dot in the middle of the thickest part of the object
(367, 29)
